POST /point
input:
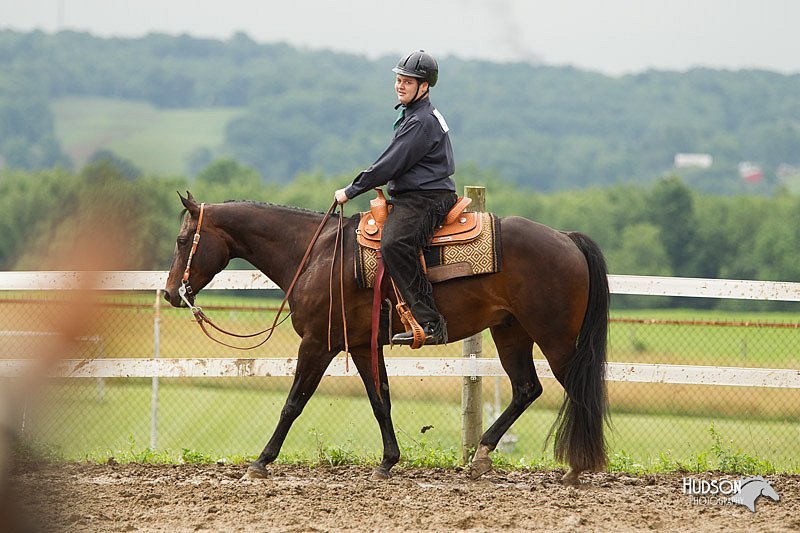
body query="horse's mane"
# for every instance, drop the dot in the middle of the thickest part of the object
(271, 205)
(263, 205)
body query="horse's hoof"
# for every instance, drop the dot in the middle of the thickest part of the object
(479, 467)
(380, 474)
(571, 478)
(255, 472)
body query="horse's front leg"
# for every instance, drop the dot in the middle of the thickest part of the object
(381, 408)
(312, 360)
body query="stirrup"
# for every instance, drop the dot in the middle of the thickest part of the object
(408, 320)
(433, 333)
(414, 334)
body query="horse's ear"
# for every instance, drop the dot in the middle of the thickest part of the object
(189, 203)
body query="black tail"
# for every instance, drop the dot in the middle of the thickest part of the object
(579, 439)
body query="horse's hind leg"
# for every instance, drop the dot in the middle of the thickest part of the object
(515, 348)
(381, 408)
(312, 360)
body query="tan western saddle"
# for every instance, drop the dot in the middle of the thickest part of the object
(458, 226)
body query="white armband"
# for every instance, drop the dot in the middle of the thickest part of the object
(440, 118)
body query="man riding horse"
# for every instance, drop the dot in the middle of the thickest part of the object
(552, 289)
(417, 166)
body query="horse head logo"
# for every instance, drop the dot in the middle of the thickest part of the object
(751, 489)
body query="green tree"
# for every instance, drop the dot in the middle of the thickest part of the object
(105, 163)
(544, 127)
(776, 241)
(227, 172)
(670, 208)
(640, 252)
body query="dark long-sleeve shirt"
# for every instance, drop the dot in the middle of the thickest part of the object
(420, 156)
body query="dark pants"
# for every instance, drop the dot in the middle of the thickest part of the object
(408, 229)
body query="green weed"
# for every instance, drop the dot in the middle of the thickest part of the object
(335, 455)
(736, 461)
(622, 461)
(420, 453)
(192, 457)
(668, 463)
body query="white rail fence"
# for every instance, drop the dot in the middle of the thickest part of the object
(154, 367)
(471, 366)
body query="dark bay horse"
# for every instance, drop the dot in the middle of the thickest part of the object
(552, 290)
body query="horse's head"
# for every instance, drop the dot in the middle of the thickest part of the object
(208, 256)
(769, 492)
(751, 489)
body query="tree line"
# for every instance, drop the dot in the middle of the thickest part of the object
(664, 228)
(548, 128)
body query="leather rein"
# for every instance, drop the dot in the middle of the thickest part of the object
(202, 319)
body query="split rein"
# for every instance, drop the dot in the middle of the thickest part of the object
(202, 319)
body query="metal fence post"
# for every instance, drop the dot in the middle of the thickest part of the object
(156, 355)
(471, 393)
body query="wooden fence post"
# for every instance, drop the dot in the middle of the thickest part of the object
(471, 387)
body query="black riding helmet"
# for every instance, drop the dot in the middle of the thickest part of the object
(419, 64)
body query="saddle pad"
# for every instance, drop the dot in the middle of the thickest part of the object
(481, 255)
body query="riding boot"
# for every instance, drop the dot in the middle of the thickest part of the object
(435, 333)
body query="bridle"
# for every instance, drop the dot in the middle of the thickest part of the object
(185, 290)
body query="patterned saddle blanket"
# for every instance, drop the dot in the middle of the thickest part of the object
(467, 247)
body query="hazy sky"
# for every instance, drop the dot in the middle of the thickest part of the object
(611, 36)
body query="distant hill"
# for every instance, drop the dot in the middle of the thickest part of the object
(159, 141)
(285, 111)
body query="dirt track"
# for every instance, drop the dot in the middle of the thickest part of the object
(212, 498)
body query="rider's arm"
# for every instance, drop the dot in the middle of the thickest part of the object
(409, 145)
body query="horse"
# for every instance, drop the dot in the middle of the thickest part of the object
(552, 290)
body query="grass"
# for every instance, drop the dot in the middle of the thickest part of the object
(158, 140)
(708, 344)
(209, 419)
(200, 423)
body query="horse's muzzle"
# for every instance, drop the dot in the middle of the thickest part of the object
(174, 299)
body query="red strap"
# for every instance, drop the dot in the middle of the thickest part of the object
(376, 317)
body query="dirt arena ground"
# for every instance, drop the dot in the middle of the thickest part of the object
(100, 498)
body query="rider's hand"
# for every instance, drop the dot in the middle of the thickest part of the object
(340, 196)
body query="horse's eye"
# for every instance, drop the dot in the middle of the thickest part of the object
(182, 241)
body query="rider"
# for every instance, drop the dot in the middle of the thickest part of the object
(417, 167)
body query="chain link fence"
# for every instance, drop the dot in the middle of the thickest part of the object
(94, 418)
